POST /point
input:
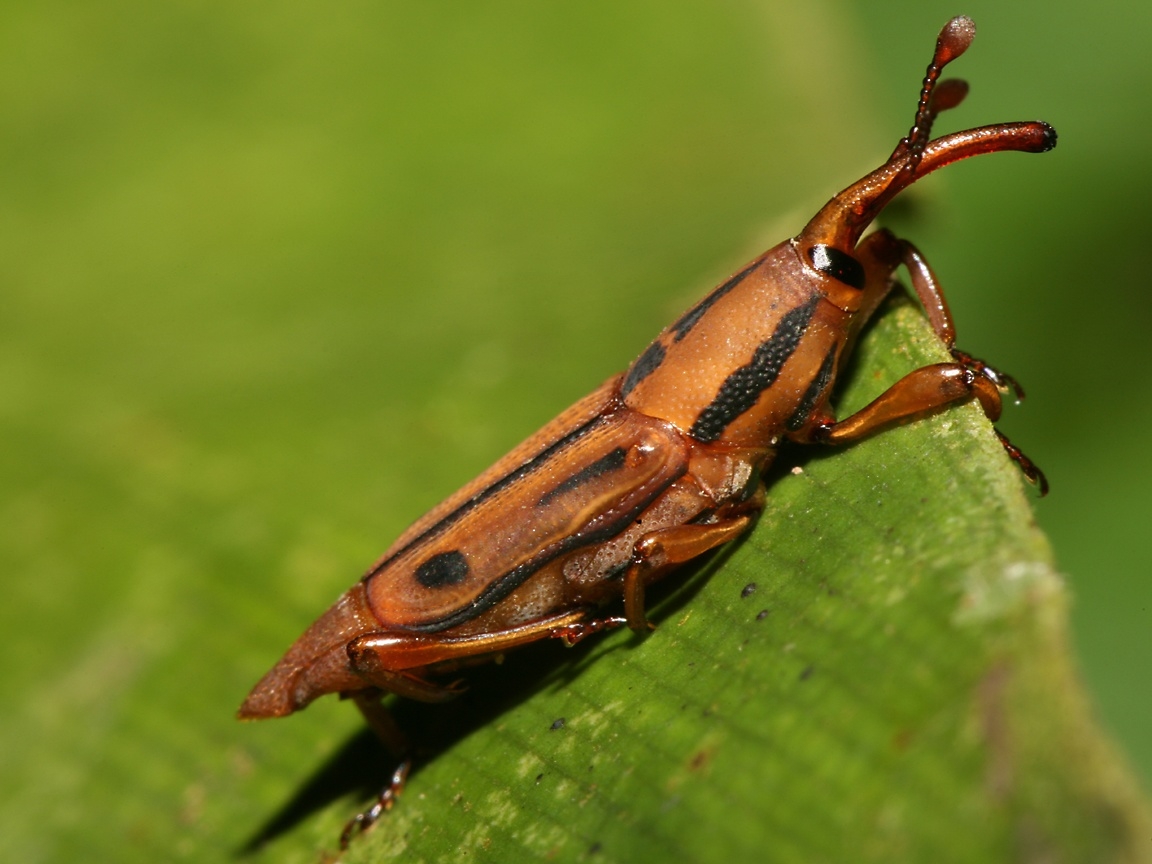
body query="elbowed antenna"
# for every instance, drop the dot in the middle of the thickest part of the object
(843, 220)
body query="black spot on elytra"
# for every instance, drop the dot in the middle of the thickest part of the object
(504, 584)
(443, 570)
(742, 388)
(647, 363)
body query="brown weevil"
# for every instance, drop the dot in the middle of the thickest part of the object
(661, 463)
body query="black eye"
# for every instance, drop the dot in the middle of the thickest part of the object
(839, 265)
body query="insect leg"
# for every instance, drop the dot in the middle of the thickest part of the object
(394, 661)
(1027, 466)
(570, 634)
(381, 722)
(380, 658)
(668, 547)
(372, 665)
(885, 247)
(888, 252)
(919, 393)
(932, 391)
(364, 820)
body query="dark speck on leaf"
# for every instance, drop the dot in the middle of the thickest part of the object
(749, 590)
(762, 614)
(558, 723)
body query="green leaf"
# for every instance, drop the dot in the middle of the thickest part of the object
(272, 284)
(877, 673)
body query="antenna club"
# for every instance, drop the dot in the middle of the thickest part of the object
(954, 39)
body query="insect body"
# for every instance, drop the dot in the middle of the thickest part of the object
(660, 464)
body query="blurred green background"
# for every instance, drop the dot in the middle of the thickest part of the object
(274, 278)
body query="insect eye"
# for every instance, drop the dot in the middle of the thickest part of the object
(839, 265)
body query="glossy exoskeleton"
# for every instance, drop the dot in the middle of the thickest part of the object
(659, 464)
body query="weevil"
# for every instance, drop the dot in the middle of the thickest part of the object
(659, 465)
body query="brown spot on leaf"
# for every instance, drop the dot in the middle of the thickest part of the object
(701, 759)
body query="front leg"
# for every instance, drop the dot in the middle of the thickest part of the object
(932, 388)
(922, 392)
(919, 393)
(887, 251)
